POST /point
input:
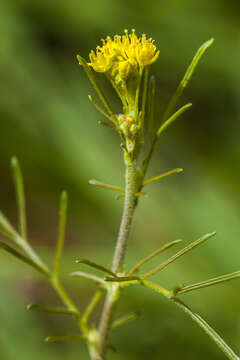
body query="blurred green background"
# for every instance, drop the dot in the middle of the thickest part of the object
(48, 122)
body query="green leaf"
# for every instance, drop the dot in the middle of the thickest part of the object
(125, 319)
(208, 330)
(61, 231)
(61, 338)
(159, 177)
(107, 124)
(152, 255)
(5, 227)
(186, 78)
(206, 283)
(178, 254)
(144, 93)
(95, 266)
(21, 257)
(91, 77)
(54, 310)
(122, 278)
(151, 107)
(172, 118)
(98, 107)
(106, 186)
(91, 306)
(89, 276)
(19, 188)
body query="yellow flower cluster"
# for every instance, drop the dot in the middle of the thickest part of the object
(122, 54)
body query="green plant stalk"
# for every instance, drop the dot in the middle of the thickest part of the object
(129, 207)
(118, 260)
(64, 296)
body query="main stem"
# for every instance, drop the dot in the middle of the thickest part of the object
(119, 256)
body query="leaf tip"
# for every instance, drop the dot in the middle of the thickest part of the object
(79, 59)
(210, 41)
(64, 195)
(179, 170)
(30, 307)
(177, 241)
(78, 261)
(14, 161)
(92, 182)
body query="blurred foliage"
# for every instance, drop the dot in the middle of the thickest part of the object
(48, 122)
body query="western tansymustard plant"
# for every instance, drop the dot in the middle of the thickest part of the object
(125, 61)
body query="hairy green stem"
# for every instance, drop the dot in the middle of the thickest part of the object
(125, 227)
(118, 260)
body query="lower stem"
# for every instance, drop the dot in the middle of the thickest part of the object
(118, 259)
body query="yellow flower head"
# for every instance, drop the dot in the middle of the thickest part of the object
(123, 54)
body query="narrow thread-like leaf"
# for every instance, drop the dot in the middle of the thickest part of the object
(108, 124)
(20, 196)
(98, 107)
(5, 227)
(64, 296)
(125, 319)
(159, 177)
(54, 310)
(152, 255)
(61, 338)
(61, 231)
(186, 78)
(95, 266)
(151, 106)
(106, 186)
(26, 247)
(178, 254)
(138, 89)
(206, 283)
(21, 257)
(172, 118)
(144, 93)
(91, 306)
(208, 330)
(91, 77)
(122, 278)
(88, 276)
